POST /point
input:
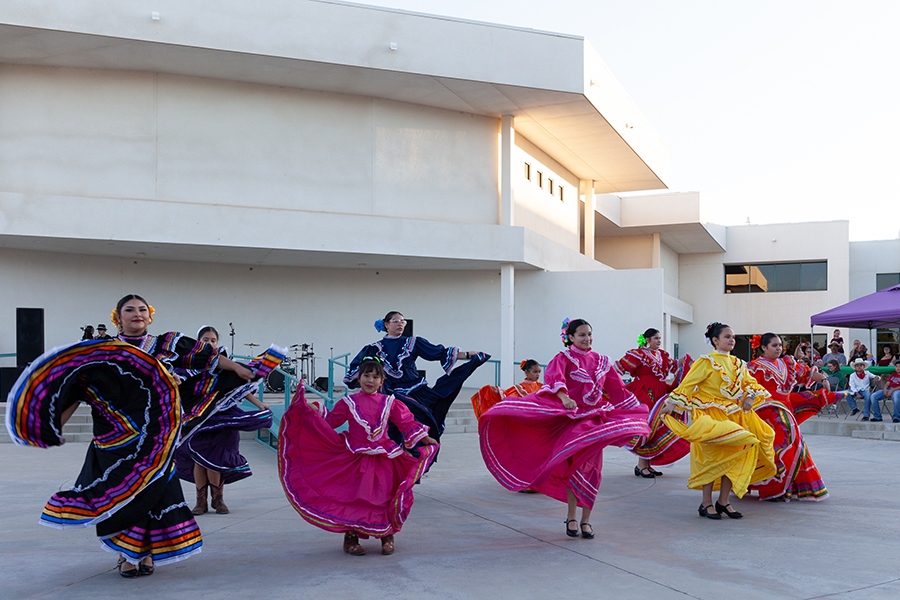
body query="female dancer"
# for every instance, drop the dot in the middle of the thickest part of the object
(490, 395)
(650, 366)
(212, 458)
(127, 486)
(552, 440)
(731, 447)
(358, 482)
(797, 476)
(398, 355)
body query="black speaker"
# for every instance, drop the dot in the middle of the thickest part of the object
(8, 376)
(29, 335)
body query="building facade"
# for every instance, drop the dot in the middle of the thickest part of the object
(300, 168)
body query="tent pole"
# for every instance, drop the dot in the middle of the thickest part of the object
(872, 348)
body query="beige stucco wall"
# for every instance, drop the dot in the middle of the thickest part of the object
(82, 132)
(625, 252)
(535, 208)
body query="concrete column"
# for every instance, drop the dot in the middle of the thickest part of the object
(587, 187)
(668, 343)
(654, 258)
(507, 325)
(507, 144)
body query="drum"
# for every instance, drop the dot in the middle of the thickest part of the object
(275, 382)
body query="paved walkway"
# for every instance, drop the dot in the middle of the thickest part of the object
(469, 538)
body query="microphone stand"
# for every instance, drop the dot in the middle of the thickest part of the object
(232, 337)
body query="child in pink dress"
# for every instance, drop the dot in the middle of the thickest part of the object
(552, 440)
(358, 482)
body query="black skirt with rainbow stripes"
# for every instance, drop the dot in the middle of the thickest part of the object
(127, 487)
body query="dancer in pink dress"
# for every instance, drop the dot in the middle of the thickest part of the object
(553, 440)
(358, 482)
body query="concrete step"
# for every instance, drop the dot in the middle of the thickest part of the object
(850, 427)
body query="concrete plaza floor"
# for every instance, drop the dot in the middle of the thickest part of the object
(467, 537)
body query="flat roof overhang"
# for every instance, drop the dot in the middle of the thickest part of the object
(170, 231)
(676, 217)
(562, 96)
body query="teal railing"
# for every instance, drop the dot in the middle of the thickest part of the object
(269, 437)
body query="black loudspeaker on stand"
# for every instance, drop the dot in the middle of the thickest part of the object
(29, 335)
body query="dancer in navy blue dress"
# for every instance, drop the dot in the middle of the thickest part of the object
(398, 353)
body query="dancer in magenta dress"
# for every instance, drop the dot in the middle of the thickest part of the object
(358, 482)
(553, 440)
(650, 366)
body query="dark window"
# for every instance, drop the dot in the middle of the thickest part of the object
(776, 277)
(885, 280)
(527, 171)
(814, 276)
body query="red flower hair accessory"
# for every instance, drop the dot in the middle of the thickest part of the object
(755, 341)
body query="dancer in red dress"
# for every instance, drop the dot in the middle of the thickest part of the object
(553, 440)
(649, 367)
(797, 477)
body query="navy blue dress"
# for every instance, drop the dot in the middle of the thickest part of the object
(428, 404)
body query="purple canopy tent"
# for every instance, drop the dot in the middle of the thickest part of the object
(880, 310)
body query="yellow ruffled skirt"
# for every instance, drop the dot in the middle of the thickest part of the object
(737, 445)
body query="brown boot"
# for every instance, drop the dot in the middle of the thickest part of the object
(217, 502)
(201, 501)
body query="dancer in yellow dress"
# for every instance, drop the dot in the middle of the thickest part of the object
(731, 447)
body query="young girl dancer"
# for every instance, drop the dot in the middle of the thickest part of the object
(398, 354)
(127, 486)
(490, 395)
(731, 447)
(650, 366)
(797, 476)
(552, 440)
(212, 458)
(358, 482)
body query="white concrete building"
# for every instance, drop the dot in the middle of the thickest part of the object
(298, 168)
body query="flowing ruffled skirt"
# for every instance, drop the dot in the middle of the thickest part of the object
(662, 447)
(338, 490)
(736, 445)
(127, 486)
(215, 446)
(798, 477)
(535, 442)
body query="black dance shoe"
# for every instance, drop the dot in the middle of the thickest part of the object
(704, 512)
(732, 514)
(571, 532)
(640, 473)
(126, 574)
(588, 535)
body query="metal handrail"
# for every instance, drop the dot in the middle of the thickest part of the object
(269, 436)
(331, 364)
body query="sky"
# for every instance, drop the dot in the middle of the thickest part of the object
(775, 112)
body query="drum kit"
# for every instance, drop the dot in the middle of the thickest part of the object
(301, 365)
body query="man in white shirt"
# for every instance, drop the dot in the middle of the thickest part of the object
(860, 381)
